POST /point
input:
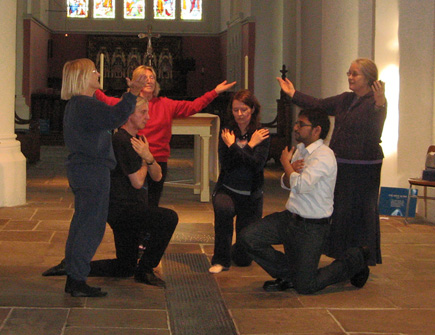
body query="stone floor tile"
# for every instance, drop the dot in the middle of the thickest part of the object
(131, 295)
(411, 293)
(114, 331)
(32, 321)
(3, 223)
(262, 300)
(4, 312)
(284, 321)
(55, 225)
(344, 295)
(118, 318)
(17, 213)
(410, 321)
(28, 236)
(64, 214)
(21, 225)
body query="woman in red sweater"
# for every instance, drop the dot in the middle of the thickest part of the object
(162, 111)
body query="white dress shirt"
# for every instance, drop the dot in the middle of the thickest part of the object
(312, 190)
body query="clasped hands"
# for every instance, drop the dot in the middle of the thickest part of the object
(142, 148)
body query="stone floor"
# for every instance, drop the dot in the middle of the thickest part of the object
(399, 297)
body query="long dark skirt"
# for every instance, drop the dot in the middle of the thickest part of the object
(355, 221)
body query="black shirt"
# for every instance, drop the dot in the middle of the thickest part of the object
(122, 193)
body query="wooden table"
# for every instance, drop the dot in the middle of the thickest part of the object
(205, 128)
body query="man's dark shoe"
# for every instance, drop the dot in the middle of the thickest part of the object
(79, 288)
(149, 278)
(360, 279)
(277, 285)
(58, 270)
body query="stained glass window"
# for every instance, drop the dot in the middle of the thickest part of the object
(77, 8)
(164, 9)
(191, 9)
(134, 9)
(104, 9)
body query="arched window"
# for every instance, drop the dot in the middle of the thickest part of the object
(190, 10)
(134, 9)
(104, 9)
(77, 8)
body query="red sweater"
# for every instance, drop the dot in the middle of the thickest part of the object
(158, 129)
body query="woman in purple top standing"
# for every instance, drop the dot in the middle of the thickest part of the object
(359, 121)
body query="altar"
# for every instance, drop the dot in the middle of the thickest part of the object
(205, 128)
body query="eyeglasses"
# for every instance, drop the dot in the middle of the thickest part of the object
(244, 110)
(300, 124)
(353, 74)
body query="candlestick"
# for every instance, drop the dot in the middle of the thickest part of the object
(246, 71)
(102, 70)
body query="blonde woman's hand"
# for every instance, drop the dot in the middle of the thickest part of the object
(136, 85)
(258, 136)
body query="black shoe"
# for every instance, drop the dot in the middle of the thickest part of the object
(70, 282)
(277, 285)
(79, 288)
(58, 270)
(360, 279)
(149, 278)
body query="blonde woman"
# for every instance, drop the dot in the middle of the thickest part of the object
(87, 132)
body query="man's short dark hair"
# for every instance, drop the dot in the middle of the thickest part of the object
(318, 117)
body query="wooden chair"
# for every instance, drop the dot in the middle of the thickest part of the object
(420, 182)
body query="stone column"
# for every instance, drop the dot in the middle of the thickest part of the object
(12, 161)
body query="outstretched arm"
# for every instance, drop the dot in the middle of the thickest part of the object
(287, 86)
(224, 86)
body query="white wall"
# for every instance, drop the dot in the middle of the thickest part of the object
(417, 78)
(268, 54)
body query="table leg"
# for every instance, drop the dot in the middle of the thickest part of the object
(197, 165)
(205, 174)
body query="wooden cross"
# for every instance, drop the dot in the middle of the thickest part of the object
(283, 71)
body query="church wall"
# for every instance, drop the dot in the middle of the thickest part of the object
(64, 49)
(35, 56)
(208, 55)
(417, 90)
